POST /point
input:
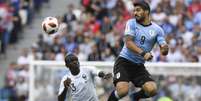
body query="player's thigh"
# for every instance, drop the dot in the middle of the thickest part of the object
(120, 73)
(121, 80)
(141, 76)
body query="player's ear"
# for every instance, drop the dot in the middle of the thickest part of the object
(67, 65)
(146, 12)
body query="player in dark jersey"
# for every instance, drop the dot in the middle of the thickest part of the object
(141, 34)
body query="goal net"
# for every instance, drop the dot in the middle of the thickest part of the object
(45, 76)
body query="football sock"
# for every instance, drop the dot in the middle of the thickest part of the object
(139, 94)
(113, 96)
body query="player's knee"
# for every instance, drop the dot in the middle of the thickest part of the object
(122, 88)
(150, 88)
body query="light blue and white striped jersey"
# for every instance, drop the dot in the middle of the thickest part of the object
(144, 37)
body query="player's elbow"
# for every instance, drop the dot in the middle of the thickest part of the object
(128, 44)
(128, 40)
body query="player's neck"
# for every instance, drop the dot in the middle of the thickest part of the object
(146, 22)
(75, 73)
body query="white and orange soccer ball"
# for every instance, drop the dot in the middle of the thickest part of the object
(50, 25)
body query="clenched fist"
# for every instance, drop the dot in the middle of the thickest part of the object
(67, 82)
(103, 75)
(164, 49)
(148, 56)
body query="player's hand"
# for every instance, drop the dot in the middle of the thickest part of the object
(148, 56)
(67, 82)
(164, 49)
(104, 75)
(107, 76)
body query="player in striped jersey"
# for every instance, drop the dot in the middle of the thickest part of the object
(141, 34)
(79, 84)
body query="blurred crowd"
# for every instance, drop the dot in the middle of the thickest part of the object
(15, 15)
(170, 88)
(179, 88)
(94, 31)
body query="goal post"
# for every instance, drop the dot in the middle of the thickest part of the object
(44, 75)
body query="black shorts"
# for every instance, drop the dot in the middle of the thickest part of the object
(125, 70)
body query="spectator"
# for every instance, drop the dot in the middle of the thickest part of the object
(159, 16)
(94, 55)
(8, 93)
(69, 16)
(23, 60)
(194, 8)
(167, 95)
(195, 91)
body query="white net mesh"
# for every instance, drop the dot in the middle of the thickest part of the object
(46, 82)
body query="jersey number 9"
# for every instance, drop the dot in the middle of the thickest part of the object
(142, 40)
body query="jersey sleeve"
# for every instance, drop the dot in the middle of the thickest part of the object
(130, 28)
(161, 37)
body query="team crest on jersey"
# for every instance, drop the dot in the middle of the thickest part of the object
(84, 76)
(118, 75)
(152, 32)
(73, 88)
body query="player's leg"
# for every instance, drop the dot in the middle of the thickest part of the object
(147, 84)
(121, 90)
(149, 89)
(121, 81)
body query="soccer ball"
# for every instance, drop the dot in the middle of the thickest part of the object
(50, 25)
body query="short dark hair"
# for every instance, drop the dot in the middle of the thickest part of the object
(144, 5)
(68, 57)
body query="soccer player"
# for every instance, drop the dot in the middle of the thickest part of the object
(140, 36)
(79, 82)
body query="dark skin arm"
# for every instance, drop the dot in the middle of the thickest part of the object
(66, 83)
(62, 97)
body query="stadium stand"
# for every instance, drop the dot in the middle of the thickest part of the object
(94, 31)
